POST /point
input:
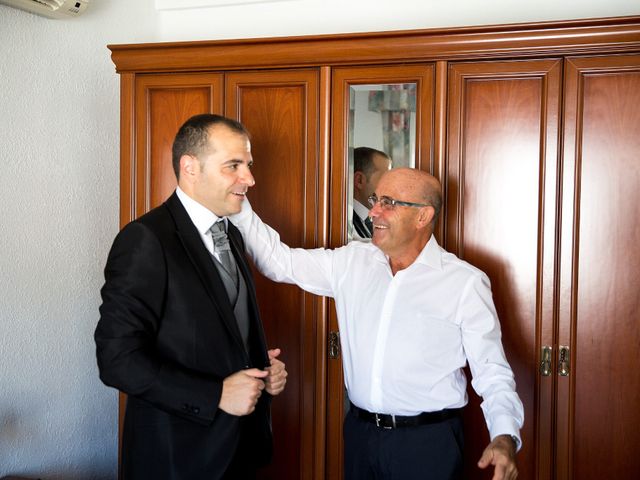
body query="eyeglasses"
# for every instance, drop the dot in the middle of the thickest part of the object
(388, 203)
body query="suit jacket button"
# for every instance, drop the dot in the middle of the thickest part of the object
(196, 410)
(185, 407)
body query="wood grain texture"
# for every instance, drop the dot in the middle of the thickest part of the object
(280, 109)
(163, 104)
(499, 41)
(501, 196)
(598, 403)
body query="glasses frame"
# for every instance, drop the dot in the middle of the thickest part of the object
(388, 203)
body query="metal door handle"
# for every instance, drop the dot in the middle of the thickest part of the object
(564, 367)
(545, 362)
(334, 345)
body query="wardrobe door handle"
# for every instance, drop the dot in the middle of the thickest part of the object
(545, 361)
(564, 367)
(334, 345)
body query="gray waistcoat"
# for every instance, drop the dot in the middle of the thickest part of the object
(238, 298)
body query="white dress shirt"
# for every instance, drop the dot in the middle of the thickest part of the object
(404, 338)
(202, 218)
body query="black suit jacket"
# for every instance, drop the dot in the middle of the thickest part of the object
(167, 337)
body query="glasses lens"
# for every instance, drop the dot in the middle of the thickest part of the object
(386, 203)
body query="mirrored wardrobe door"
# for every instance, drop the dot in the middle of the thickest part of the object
(382, 117)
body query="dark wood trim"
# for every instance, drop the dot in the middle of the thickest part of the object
(127, 194)
(127, 150)
(569, 242)
(440, 134)
(322, 327)
(613, 35)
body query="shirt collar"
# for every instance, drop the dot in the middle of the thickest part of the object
(360, 209)
(431, 255)
(201, 216)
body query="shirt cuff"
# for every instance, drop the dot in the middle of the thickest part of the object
(507, 426)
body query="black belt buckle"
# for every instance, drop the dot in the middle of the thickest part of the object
(378, 417)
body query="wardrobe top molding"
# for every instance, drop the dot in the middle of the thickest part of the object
(576, 37)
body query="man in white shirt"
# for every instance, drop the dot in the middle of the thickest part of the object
(410, 316)
(368, 166)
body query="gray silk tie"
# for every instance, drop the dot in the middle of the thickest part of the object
(222, 248)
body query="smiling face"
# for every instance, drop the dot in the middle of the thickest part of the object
(221, 175)
(402, 231)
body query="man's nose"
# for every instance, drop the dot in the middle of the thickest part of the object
(247, 177)
(375, 210)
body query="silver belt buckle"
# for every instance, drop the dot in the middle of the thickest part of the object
(393, 422)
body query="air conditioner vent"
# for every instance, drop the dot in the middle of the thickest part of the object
(50, 8)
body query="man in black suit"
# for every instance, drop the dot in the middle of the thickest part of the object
(180, 331)
(368, 166)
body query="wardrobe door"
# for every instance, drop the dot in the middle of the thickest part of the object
(152, 108)
(281, 111)
(162, 104)
(390, 108)
(500, 214)
(599, 395)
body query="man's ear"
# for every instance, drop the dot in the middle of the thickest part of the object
(359, 180)
(425, 216)
(189, 167)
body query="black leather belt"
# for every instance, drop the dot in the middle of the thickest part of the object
(384, 420)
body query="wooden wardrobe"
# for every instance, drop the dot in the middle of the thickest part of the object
(534, 131)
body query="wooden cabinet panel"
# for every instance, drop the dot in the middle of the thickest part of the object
(598, 432)
(280, 109)
(500, 214)
(163, 103)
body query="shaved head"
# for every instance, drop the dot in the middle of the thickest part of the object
(415, 186)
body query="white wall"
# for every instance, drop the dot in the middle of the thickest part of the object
(304, 17)
(59, 128)
(59, 192)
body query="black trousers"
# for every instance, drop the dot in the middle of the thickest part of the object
(242, 466)
(240, 469)
(425, 452)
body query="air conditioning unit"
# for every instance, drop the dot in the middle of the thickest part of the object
(50, 8)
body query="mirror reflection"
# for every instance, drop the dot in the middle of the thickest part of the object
(382, 135)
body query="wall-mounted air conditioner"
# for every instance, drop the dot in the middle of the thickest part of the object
(50, 8)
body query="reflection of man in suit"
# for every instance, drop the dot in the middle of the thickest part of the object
(180, 331)
(368, 166)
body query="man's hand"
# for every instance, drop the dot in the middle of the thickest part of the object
(240, 391)
(501, 453)
(277, 378)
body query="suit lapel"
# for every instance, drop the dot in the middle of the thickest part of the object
(201, 260)
(237, 247)
(360, 227)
